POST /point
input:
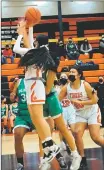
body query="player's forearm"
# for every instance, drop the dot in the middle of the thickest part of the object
(89, 102)
(17, 48)
(50, 81)
(26, 40)
(31, 39)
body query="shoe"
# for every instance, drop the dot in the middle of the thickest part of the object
(48, 157)
(4, 131)
(20, 167)
(45, 166)
(83, 163)
(62, 163)
(46, 160)
(75, 161)
(54, 149)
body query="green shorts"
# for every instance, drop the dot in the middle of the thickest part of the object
(52, 107)
(24, 121)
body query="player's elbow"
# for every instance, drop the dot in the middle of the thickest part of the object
(95, 100)
(15, 49)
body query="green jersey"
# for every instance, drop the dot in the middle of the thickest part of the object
(3, 111)
(23, 118)
(22, 102)
(15, 109)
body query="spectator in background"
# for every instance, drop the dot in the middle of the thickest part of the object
(72, 50)
(3, 61)
(101, 45)
(86, 48)
(100, 92)
(7, 53)
(61, 52)
(13, 113)
(4, 113)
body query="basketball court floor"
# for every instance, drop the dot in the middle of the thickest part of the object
(94, 153)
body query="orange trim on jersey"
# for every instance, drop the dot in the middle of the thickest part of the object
(99, 116)
(33, 85)
(33, 97)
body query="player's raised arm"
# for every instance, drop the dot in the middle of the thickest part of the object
(21, 33)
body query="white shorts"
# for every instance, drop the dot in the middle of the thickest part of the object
(90, 115)
(69, 115)
(35, 91)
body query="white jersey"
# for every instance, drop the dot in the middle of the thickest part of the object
(65, 102)
(68, 109)
(78, 94)
(31, 71)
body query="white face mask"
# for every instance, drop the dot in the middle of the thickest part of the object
(102, 38)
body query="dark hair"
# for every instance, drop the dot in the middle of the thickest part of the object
(7, 46)
(70, 38)
(42, 39)
(79, 70)
(86, 44)
(2, 97)
(64, 69)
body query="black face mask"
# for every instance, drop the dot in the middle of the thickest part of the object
(72, 78)
(70, 41)
(100, 81)
(63, 81)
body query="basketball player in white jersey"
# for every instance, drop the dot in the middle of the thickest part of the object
(48, 144)
(68, 109)
(35, 90)
(84, 100)
(68, 112)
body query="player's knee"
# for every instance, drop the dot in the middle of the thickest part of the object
(95, 138)
(18, 137)
(77, 133)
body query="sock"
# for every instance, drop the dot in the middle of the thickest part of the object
(84, 159)
(74, 152)
(58, 156)
(20, 160)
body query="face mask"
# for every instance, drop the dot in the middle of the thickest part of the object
(70, 41)
(100, 80)
(72, 78)
(63, 81)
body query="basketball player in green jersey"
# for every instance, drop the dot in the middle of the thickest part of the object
(23, 121)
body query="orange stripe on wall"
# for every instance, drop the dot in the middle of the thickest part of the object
(93, 31)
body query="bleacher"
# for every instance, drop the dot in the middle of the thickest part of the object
(10, 71)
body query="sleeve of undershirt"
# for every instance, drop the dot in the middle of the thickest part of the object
(31, 39)
(18, 49)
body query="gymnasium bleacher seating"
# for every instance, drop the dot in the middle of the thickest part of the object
(10, 71)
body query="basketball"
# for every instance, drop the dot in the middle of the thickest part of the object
(32, 16)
